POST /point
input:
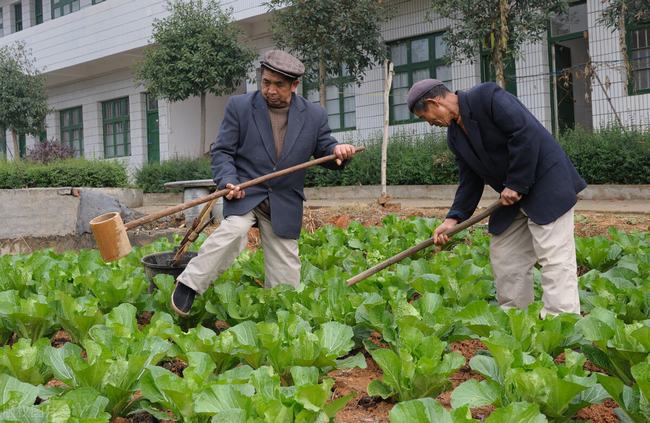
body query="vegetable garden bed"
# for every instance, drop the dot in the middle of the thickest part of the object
(422, 341)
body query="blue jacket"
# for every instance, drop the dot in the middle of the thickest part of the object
(509, 147)
(245, 150)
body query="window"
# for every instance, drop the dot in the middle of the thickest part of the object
(3, 144)
(2, 31)
(115, 115)
(72, 129)
(639, 56)
(64, 7)
(339, 101)
(575, 20)
(18, 17)
(413, 60)
(97, 1)
(38, 12)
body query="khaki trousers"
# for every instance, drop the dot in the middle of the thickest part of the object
(514, 253)
(281, 260)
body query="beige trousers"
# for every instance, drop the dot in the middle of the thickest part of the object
(513, 255)
(281, 260)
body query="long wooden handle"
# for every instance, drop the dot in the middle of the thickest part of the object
(193, 232)
(221, 193)
(424, 244)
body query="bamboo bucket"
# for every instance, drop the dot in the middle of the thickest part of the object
(112, 240)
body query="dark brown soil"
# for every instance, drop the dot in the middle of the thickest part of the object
(144, 318)
(467, 348)
(60, 338)
(55, 383)
(482, 413)
(588, 366)
(362, 408)
(221, 325)
(175, 365)
(376, 338)
(599, 413)
(141, 417)
(12, 339)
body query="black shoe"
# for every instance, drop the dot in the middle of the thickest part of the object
(182, 299)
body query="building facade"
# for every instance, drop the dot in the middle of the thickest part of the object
(87, 50)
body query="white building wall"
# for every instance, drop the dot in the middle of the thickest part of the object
(91, 33)
(411, 21)
(634, 110)
(76, 46)
(184, 127)
(89, 94)
(533, 81)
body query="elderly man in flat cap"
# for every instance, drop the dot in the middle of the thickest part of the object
(262, 132)
(497, 141)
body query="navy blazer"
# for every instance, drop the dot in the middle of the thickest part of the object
(506, 146)
(245, 150)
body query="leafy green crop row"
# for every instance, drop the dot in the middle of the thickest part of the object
(272, 363)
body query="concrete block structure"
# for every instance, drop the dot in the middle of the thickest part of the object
(87, 50)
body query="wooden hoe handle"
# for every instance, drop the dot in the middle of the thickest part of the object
(424, 244)
(221, 193)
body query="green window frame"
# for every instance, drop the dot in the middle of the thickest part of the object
(64, 7)
(638, 47)
(38, 12)
(340, 101)
(3, 143)
(18, 17)
(115, 122)
(72, 129)
(415, 59)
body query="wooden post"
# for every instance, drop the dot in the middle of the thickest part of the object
(388, 82)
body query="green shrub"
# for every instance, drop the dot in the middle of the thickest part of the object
(152, 177)
(73, 172)
(609, 156)
(412, 160)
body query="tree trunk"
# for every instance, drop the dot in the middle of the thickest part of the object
(501, 46)
(322, 77)
(388, 69)
(622, 35)
(202, 123)
(16, 152)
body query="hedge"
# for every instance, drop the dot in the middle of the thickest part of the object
(152, 177)
(609, 156)
(63, 173)
(412, 160)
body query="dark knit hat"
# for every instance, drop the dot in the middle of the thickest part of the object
(419, 89)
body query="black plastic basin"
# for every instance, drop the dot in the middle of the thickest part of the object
(160, 263)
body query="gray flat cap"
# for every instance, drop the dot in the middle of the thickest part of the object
(419, 89)
(284, 63)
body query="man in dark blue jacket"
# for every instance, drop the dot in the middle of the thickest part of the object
(262, 132)
(497, 141)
